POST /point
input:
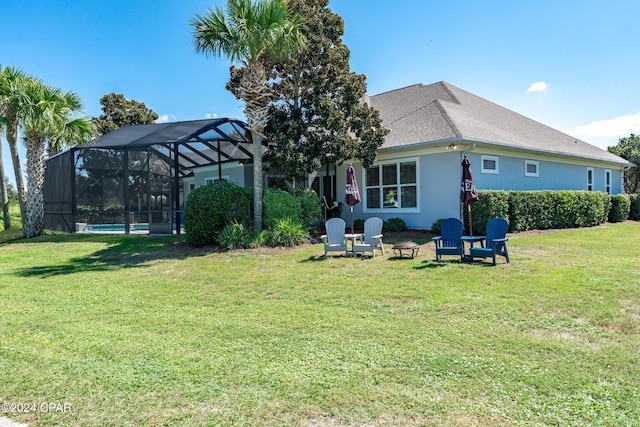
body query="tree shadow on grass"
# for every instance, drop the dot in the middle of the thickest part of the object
(120, 252)
(431, 264)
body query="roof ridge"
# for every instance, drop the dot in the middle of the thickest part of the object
(396, 90)
(446, 116)
(411, 112)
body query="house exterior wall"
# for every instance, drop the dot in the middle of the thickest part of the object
(439, 174)
(438, 189)
(552, 173)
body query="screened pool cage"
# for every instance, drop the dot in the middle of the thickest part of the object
(130, 180)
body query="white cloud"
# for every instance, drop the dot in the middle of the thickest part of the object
(165, 118)
(604, 133)
(211, 116)
(537, 87)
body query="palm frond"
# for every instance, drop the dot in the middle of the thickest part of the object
(248, 32)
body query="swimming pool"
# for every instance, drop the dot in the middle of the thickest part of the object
(114, 228)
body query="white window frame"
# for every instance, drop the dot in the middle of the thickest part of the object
(607, 180)
(535, 174)
(397, 162)
(495, 159)
(590, 179)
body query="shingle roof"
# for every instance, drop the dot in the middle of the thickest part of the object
(422, 114)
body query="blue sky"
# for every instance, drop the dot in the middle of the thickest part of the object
(572, 65)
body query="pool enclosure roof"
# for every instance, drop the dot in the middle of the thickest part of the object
(194, 143)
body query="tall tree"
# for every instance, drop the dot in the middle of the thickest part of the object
(118, 111)
(629, 149)
(253, 34)
(321, 116)
(47, 117)
(12, 87)
(4, 194)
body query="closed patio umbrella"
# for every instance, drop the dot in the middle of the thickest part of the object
(468, 194)
(352, 195)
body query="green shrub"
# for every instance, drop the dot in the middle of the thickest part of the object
(286, 232)
(394, 224)
(541, 210)
(435, 227)
(490, 204)
(234, 236)
(278, 204)
(606, 207)
(620, 207)
(358, 225)
(260, 239)
(634, 208)
(209, 208)
(311, 208)
(248, 194)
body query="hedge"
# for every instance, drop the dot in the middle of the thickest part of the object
(541, 210)
(620, 208)
(634, 207)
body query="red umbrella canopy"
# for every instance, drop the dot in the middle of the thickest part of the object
(468, 194)
(352, 195)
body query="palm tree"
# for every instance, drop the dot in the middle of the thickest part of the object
(46, 120)
(252, 34)
(12, 85)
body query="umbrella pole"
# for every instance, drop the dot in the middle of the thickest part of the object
(470, 224)
(352, 232)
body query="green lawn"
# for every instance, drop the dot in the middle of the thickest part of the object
(143, 331)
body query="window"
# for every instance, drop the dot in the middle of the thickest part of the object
(392, 185)
(210, 181)
(590, 179)
(489, 164)
(531, 168)
(607, 181)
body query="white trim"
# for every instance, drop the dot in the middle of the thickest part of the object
(397, 162)
(607, 180)
(491, 159)
(535, 163)
(590, 179)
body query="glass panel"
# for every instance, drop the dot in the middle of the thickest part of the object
(409, 197)
(389, 175)
(532, 168)
(408, 173)
(373, 198)
(489, 164)
(390, 197)
(373, 176)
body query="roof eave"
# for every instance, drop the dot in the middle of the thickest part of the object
(493, 144)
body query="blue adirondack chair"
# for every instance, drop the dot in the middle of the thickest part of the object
(450, 241)
(496, 241)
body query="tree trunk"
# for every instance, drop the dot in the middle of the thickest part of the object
(256, 94)
(34, 224)
(4, 197)
(257, 181)
(12, 139)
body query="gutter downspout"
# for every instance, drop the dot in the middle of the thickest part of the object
(464, 153)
